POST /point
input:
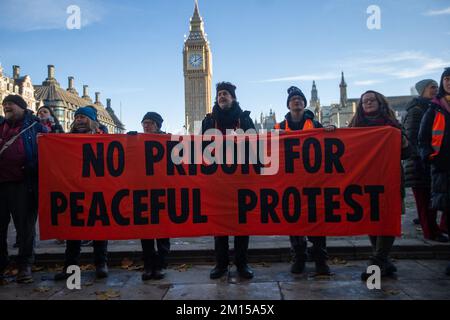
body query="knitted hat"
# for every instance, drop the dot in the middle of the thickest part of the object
(155, 117)
(87, 111)
(294, 91)
(228, 86)
(16, 99)
(423, 84)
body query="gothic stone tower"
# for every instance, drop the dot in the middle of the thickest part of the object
(197, 67)
(315, 102)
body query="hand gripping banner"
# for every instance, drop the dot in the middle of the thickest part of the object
(100, 187)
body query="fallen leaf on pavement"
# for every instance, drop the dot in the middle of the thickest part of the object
(87, 267)
(106, 295)
(183, 267)
(41, 289)
(126, 263)
(391, 292)
(337, 260)
(37, 268)
(263, 264)
(12, 272)
(135, 268)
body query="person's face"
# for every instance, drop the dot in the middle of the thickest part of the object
(446, 84)
(12, 111)
(370, 103)
(44, 113)
(296, 104)
(81, 123)
(224, 99)
(150, 126)
(430, 91)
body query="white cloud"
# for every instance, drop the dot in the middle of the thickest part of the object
(366, 82)
(397, 65)
(437, 12)
(32, 15)
(305, 77)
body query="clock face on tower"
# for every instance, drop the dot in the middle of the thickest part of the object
(195, 60)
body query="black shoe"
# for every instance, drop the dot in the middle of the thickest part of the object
(322, 269)
(389, 268)
(298, 266)
(218, 272)
(147, 274)
(440, 238)
(416, 221)
(3, 271)
(24, 275)
(101, 271)
(245, 271)
(447, 271)
(63, 275)
(158, 274)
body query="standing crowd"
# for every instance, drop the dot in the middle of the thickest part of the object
(425, 150)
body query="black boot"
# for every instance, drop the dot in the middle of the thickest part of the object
(322, 268)
(245, 271)
(158, 274)
(298, 266)
(147, 274)
(101, 271)
(25, 275)
(387, 268)
(63, 275)
(218, 271)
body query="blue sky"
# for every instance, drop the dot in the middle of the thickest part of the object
(132, 51)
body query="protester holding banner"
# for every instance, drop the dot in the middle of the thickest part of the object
(49, 120)
(227, 114)
(18, 181)
(373, 110)
(154, 261)
(417, 175)
(434, 144)
(85, 123)
(299, 118)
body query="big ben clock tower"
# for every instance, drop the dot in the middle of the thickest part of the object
(197, 73)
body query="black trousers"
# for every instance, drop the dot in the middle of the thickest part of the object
(240, 250)
(155, 259)
(73, 250)
(299, 246)
(18, 202)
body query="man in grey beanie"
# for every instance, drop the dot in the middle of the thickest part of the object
(417, 174)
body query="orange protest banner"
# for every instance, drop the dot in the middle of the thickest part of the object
(314, 183)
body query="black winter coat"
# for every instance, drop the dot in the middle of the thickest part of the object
(417, 174)
(233, 118)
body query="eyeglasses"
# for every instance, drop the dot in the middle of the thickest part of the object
(366, 101)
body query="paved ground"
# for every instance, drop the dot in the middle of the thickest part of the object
(417, 279)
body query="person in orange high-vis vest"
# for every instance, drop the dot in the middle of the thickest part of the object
(434, 148)
(299, 118)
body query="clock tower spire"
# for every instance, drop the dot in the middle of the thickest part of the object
(197, 66)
